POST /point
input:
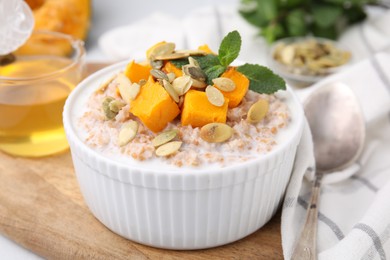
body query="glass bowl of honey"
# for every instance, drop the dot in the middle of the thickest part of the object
(35, 81)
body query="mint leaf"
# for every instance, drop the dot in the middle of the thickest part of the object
(326, 15)
(207, 61)
(180, 62)
(262, 80)
(229, 48)
(214, 72)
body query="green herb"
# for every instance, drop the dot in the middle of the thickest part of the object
(325, 18)
(229, 48)
(214, 72)
(262, 79)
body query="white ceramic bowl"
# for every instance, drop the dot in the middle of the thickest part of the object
(179, 209)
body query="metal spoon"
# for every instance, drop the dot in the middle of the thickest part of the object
(337, 125)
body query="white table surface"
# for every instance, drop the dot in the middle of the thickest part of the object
(108, 14)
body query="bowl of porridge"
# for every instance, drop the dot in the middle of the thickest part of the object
(182, 161)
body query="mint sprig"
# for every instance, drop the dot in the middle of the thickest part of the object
(262, 79)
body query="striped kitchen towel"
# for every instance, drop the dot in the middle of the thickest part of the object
(354, 210)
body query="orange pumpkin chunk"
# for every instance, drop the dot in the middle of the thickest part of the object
(198, 111)
(169, 67)
(242, 85)
(136, 71)
(154, 107)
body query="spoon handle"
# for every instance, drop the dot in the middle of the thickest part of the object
(306, 247)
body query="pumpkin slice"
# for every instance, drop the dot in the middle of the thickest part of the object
(198, 111)
(242, 84)
(169, 67)
(136, 71)
(154, 107)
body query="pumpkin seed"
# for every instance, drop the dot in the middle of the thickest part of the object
(116, 105)
(194, 72)
(168, 148)
(193, 62)
(142, 82)
(192, 52)
(198, 84)
(156, 64)
(108, 113)
(158, 74)
(127, 132)
(216, 132)
(215, 96)
(164, 137)
(168, 87)
(162, 49)
(182, 84)
(105, 84)
(181, 101)
(224, 84)
(258, 111)
(124, 86)
(171, 56)
(171, 76)
(134, 90)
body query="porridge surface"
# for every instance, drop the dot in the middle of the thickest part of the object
(248, 141)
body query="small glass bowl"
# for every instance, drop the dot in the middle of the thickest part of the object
(34, 85)
(297, 76)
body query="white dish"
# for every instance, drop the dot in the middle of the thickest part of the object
(180, 209)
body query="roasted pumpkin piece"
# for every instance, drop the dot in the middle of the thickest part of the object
(169, 67)
(154, 107)
(206, 49)
(242, 85)
(137, 71)
(198, 111)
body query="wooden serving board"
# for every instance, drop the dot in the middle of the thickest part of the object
(42, 209)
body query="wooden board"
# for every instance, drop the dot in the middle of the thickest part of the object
(42, 209)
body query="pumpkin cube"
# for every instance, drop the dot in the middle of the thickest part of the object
(154, 107)
(136, 71)
(198, 111)
(242, 85)
(169, 67)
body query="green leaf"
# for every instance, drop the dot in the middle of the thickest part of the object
(180, 62)
(229, 48)
(292, 3)
(326, 15)
(262, 79)
(355, 14)
(268, 9)
(248, 10)
(330, 32)
(296, 23)
(253, 18)
(207, 61)
(273, 32)
(214, 72)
